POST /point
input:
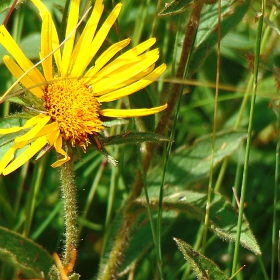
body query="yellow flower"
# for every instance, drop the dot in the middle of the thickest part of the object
(71, 96)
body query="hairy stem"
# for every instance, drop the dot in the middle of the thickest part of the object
(69, 198)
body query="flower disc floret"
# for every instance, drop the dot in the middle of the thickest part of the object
(75, 109)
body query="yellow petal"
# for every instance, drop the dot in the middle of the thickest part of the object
(68, 46)
(130, 113)
(7, 158)
(55, 41)
(46, 46)
(104, 58)
(11, 46)
(126, 72)
(58, 148)
(26, 81)
(33, 131)
(99, 38)
(131, 56)
(131, 80)
(82, 47)
(47, 130)
(31, 122)
(117, 94)
(35, 147)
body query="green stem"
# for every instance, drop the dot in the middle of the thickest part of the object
(69, 199)
(210, 185)
(276, 186)
(248, 144)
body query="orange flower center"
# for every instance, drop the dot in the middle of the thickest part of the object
(72, 105)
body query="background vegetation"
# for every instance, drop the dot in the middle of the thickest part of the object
(198, 169)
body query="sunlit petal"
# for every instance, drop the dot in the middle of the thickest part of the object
(126, 72)
(130, 113)
(99, 38)
(11, 46)
(82, 47)
(55, 41)
(31, 122)
(68, 46)
(46, 46)
(58, 148)
(18, 72)
(33, 131)
(34, 148)
(124, 91)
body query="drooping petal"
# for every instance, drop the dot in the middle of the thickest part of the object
(17, 72)
(125, 91)
(55, 41)
(82, 47)
(34, 148)
(130, 113)
(58, 148)
(71, 28)
(11, 46)
(46, 46)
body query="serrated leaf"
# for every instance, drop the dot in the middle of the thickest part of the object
(191, 164)
(24, 254)
(203, 267)
(133, 138)
(223, 216)
(175, 7)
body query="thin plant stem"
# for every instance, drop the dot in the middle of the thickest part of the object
(169, 146)
(32, 195)
(276, 187)
(210, 185)
(248, 144)
(69, 200)
(92, 191)
(154, 232)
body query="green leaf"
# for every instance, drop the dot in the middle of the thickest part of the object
(190, 164)
(223, 216)
(175, 7)
(203, 267)
(207, 36)
(25, 255)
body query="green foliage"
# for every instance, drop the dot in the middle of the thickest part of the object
(115, 231)
(26, 256)
(203, 267)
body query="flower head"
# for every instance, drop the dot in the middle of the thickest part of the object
(71, 96)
